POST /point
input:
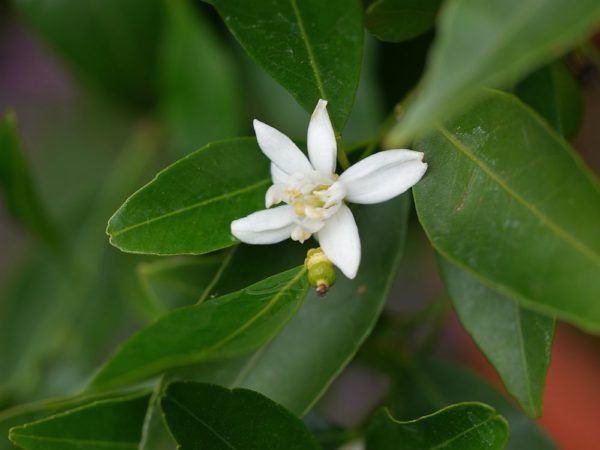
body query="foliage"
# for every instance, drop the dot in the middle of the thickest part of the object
(227, 346)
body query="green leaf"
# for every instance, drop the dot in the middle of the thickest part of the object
(553, 92)
(175, 282)
(401, 20)
(204, 416)
(105, 424)
(189, 206)
(20, 195)
(296, 368)
(507, 200)
(111, 45)
(310, 47)
(423, 386)
(465, 426)
(517, 341)
(226, 327)
(492, 44)
(200, 95)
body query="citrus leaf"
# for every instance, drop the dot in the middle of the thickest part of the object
(205, 416)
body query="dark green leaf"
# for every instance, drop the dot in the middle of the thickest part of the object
(465, 426)
(106, 424)
(508, 200)
(422, 387)
(296, 368)
(226, 327)
(517, 341)
(310, 47)
(491, 43)
(112, 44)
(175, 282)
(553, 92)
(20, 195)
(401, 20)
(204, 416)
(189, 206)
(200, 95)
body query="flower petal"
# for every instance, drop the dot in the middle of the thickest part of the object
(383, 175)
(280, 149)
(268, 226)
(277, 175)
(340, 241)
(322, 148)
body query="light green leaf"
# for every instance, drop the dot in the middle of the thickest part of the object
(507, 200)
(208, 416)
(114, 423)
(20, 195)
(310, 47)
(424, 386)
(280, 370)
(553, 92)
(111, 45)
(226, 327)
(491, 44)
(189, 206)
(465, 426)
(200, 95)
(517, 341)
(401, 20)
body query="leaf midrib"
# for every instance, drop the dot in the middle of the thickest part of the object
(265, 181)
(311, 56)
(579, 246)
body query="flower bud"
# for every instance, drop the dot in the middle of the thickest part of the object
(321, 273)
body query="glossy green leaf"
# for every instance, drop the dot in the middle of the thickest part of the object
(296, 368)
(310, 47)
(465, 426)
(189, 206)
(111, 45)
(517, 341)
(200, 95)
(175, 282)
(20, 195)
(205, 416)
(553, 92)
(425, 386)
(506, 199)
(226, 327)
(106, 424)
(491, 44)
(401, 20)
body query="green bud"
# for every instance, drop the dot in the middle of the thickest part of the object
(321, 273)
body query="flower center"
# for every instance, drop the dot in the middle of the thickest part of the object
(315, 197)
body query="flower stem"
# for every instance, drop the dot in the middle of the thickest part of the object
(341, 153)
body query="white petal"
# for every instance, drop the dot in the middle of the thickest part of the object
(340, 241)
(322, 148)
(383, 176)
(280, 149)
(277, 175)
(268, 226)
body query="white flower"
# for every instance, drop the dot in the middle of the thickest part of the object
(314, 195)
